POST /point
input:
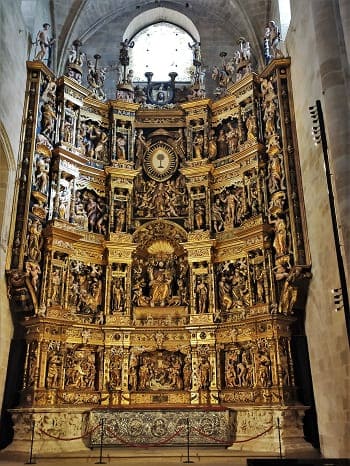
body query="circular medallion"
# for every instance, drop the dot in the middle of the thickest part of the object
(160, 161)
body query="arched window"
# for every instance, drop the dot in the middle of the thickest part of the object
(162, 48)
(284, 8)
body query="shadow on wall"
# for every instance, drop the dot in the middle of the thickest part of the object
(12, 390)
(303, 381)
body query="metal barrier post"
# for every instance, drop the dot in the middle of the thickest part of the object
(30, 460)
(188, 443)
(101, 444)
(279, 436)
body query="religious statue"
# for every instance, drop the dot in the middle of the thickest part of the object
(272, 39)
(123, 54)
(202, 296)
(48, 119)
(44, 42)
(204, 373)
(222, 144)
(230, 369)
(141, 145)
(280, 242)
(49, 93)
(196, 50)
(32, 365)
(275, 173)
(231, 201)
(133, 378)
(120, 218)
(242, 59)
(41, 175)
(288, 297)
(216, 213)
(55, 285)
(53, 370)
(34, 241)
(124, 60)
(187, 373)
(179, 144)
(198, 143)
(231, 138)
(160, 279)
(259, 283)
(251, 127)
(96, 78)
(118, 295)
(100, 140)
(75, 62)
(115, 371)
(199, 216)
(224, 295)
(264, 369)
(121, 144)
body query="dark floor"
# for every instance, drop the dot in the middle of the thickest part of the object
(152, 456)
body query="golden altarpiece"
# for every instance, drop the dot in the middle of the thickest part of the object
(158, 267)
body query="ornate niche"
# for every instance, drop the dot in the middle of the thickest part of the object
(160, 274)
(159, 189)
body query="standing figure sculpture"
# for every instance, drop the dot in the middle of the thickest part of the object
(202, 296)
(204, 373)
(199, 216)
(117, 295)
(48, 120)
(141, 146)
(124, 56)
(160, 285)
(44, 42)
(251, 127)
(53, 371)
(280, 242)
(275, 174)
(198, 142)
(121, 145)
(196, 50)
(187, 373)
(96, 78)
(272, 39)
(212, 145)
(42, 175)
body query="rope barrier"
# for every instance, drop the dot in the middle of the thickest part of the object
(89, 432)
(237, 441)
(209, 436)
(256, 436)
(149, 445)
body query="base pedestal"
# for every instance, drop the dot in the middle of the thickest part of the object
(270, 430)
(248, 429)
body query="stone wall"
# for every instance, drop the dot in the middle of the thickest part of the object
(325, 328)
(13, 46)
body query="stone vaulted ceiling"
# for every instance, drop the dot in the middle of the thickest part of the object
(101, 25)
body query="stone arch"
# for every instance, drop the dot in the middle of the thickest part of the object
(7, 174)
(156, 15)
